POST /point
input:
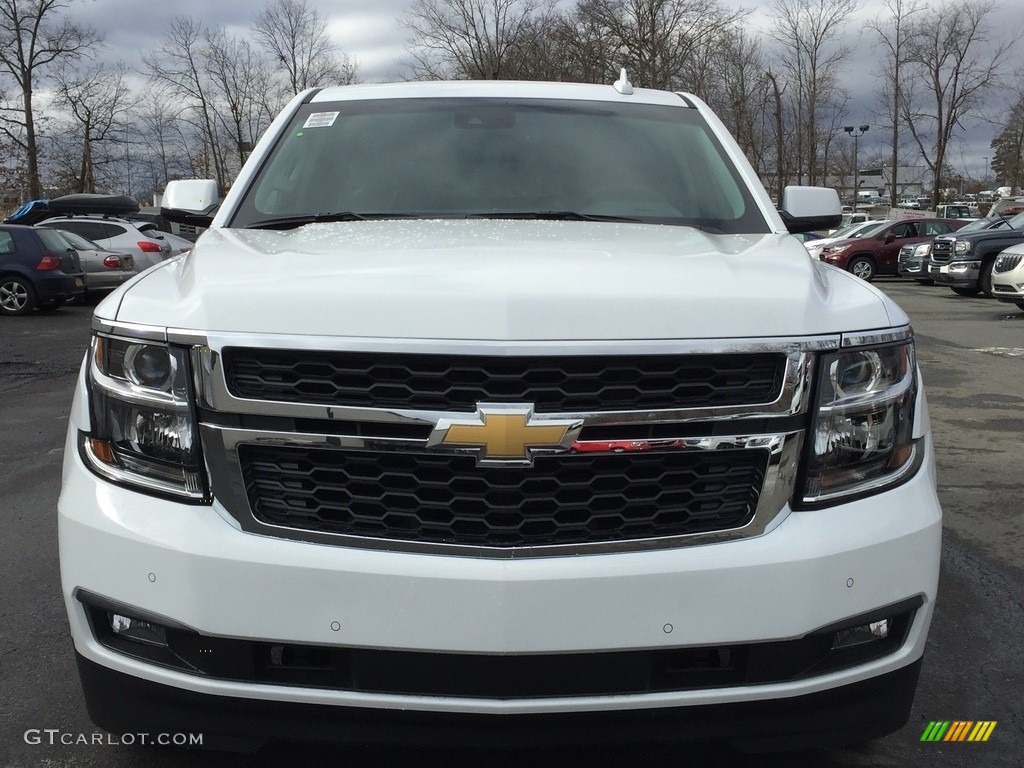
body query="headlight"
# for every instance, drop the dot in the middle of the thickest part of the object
(962, 246)
(861, 439)
(143, 426)
(923, 250)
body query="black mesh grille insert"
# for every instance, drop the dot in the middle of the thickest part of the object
(942, 251)
(448, 499)
(551, 383)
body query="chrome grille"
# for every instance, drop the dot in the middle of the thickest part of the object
(373, 475)
(1007, 261)
(444, 499)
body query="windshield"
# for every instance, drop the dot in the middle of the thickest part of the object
(857, 230)
(462, 157)
(977, 224)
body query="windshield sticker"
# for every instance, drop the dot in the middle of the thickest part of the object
(320, 120)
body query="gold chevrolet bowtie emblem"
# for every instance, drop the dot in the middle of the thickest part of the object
(504, 434)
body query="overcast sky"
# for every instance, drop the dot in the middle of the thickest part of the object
(371, 32)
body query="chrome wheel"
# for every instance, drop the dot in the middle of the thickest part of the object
(16, 296)
(862, 268)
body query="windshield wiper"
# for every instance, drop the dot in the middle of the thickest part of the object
(290, 222)
(551, 216)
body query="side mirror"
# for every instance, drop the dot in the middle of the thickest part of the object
(805, 209)
(190, 201)
(890, 239)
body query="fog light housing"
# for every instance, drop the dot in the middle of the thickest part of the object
(864, 634)
(137, 630)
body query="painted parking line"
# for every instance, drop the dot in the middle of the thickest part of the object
(1001, 351)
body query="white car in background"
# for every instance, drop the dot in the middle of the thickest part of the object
(1008, 275)
(861, 229)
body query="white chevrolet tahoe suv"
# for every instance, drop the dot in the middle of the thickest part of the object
(507, 413)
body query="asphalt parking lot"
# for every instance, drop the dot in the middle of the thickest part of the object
(972, 354)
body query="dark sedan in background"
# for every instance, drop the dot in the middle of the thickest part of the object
(38, 269)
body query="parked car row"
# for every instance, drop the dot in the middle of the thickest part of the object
(983, 256)
(875, 249)
(75, 248)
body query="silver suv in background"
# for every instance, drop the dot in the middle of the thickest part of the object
(115, 234)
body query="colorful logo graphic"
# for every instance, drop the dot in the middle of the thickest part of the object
(958, 730)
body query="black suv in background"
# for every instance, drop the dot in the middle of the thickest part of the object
(37, 269)
(963, 261)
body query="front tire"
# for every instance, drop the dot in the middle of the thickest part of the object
(985, 279)
(862, 267)
(17, 296)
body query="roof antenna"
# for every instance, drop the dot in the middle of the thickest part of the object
(622, 85)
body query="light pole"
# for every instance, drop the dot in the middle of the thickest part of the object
(856, 131)
(984, 180)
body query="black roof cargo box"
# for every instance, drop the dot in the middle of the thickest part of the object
(109, 205)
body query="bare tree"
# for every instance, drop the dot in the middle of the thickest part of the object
(34, 35)
(178, 68)
(1008, 145)
(660, 42)
(161, 153)
(808, 33)
(295, 35)
(240, 82)
(473, 39)
(893, 32)
(99, 101)
(736, 87)
(782, 169)
(953, 59)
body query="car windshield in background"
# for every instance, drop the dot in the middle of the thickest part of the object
(520, 158)
(870, 229)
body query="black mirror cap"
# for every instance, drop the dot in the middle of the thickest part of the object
(797, 224)
(202, 218)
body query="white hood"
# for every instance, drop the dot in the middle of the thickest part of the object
(502, 280)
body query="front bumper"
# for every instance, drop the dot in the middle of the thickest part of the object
(1008, 286)
(913, 268)
(955, 274)
(848, 715)
(194, 566)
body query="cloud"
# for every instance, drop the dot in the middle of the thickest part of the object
(376, 40)
(374, 36)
